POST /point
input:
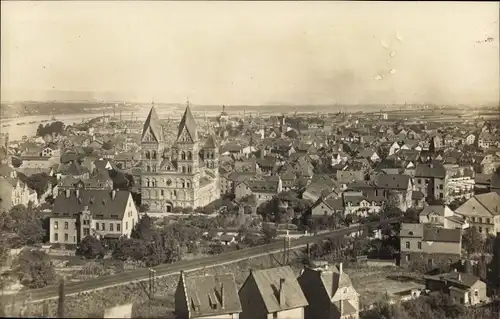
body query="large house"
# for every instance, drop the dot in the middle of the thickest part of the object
(355, 203)
(442, 216)
(330, 293)
(264, 189)
(184, 174)
(429, 244)
(482, 212)
(14, 192)
(465, 289)
(272, 293)
(431, 180)
(79, 213)
(207, 297)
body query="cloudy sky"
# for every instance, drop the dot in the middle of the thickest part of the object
(255, 52)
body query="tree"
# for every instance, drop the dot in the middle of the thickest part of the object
(34, 268)
(472, 241)
(39, 182)
(130, 248)
(90, 247)
(268, 234)
(23, 225)
(108, 145)
(143, 229)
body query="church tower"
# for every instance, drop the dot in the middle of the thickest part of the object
(152, 142)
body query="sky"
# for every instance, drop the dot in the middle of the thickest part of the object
(254, 53)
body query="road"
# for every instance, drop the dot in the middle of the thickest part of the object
(186, 265)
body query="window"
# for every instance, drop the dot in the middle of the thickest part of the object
(56, 237)
(74, 239)
(66, 237)
(487, 220)
(441, 195)
(480, 229)
(480, 219)
(419, 245)
(154, 154)
(407, 257)
(111, 227)
(56, 225)
(441, 186)
(126, 225)
(86, 232)
(118, 227)
(103, 226)
(407, 245)
(96, 226)
(66, 225)
(162, 193)
(476, 293)
(148, 168)
(189, 156)
(183, 156)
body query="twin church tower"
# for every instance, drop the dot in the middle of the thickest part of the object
(182, 174)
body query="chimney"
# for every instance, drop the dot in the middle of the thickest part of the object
(282, 292)
(340, 268)
(113, 194)
(222, 301)
(68, 192)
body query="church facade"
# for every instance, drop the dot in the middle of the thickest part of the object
(184, 173)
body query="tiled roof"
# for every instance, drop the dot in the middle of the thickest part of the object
(392, 181)
(346, 308)
(490, 201)
(442, 234)
(456, 279)
(411, 230)
(417, 195)
(211, 295)
(435, 170)
(268, 284)
(99, 202)
(210, 142)
(484, 179)
(436, 209)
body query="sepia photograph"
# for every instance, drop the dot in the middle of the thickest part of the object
(250, 159)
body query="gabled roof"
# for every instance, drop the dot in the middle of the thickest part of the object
(153, 123)
(392, 181)
(188, 123)
(439, 234)
(268, 284)
(434, 169)
(211, 295)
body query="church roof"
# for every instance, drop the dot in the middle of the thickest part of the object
(189, 123)
(153, 123)
(210, 142)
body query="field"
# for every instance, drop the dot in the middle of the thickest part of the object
(373, 283)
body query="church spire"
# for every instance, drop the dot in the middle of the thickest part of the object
(153, 125)
(188, 124)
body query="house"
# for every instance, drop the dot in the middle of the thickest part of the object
(466, 289)
(487, 140)
(469, 139)
(102, 213)
(14, 192)
(327, 207)
(395, 188)
(207, 297)
(442, 216)
(264, 189)
(227, 239)
(482, 212)
(329, 293)
(356, 203)
(429, 245)
(394, 148)
(369, 154)
(320, 186)
(431, 180)
(272, 293)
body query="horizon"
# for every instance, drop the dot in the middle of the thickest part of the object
(316, 53)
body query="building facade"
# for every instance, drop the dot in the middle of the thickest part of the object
(183, 174)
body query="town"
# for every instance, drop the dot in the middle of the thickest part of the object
(388, 214)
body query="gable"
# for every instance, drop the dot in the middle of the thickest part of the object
(149, 136)
(185, 137)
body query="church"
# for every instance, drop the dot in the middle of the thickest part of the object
(183, 174)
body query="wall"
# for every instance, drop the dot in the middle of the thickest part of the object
(94, 303)
(297, 313)
(60, 231)
(123, 311)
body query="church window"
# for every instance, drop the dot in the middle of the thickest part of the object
(189, 168)
(188, 184)
(147, 154)
(189, 156)
(154, 155)
(148, 168)
(183, 184)
(169, 182)
(154, 167)
(183, 168)
(147, 182)
(153, 182)
(162, 193)
(183, 156)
